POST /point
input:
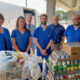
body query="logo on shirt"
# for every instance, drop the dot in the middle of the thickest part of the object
(49, 35)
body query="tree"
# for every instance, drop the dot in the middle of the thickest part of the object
(62, 15)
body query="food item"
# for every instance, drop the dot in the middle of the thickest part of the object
(63, 66)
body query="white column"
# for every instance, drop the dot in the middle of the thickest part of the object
(51, 6)
(79, 10)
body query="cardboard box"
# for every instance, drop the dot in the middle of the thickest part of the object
(73, 51)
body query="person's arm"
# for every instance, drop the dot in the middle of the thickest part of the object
(8, 40)
(35, 35)
(49, 44)
(29, 45)
(64, 37)
(62, 42)
(51, 40)
(38, 45)
(14, 44)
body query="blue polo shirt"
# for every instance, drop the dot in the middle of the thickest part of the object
(31, 27)
(22, 40)
(72, 34)
(58, 32)
(5, 41)
(44, 38)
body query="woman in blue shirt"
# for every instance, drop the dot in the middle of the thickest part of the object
(5, 41)
(21, 37)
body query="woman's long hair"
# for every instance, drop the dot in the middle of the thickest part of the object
(21, 17)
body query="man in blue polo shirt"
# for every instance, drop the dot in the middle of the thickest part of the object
(72, 33)
(43, 38)
(31, 27)
(58, 31)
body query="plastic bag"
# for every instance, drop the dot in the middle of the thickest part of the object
(31, 69)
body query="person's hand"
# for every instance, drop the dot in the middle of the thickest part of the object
(61, 46)
(31, 54)
(44, 52)
(26, 51)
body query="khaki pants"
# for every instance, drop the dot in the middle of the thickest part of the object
(55, 46)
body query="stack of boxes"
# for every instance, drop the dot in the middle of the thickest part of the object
(72, 49)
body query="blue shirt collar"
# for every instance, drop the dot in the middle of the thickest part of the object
(27, 26)
(74, 28)
(42, 28)
(57, 25)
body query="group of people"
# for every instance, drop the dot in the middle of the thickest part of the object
(47, 38)
(20, 39)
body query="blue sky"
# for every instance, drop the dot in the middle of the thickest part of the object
(38, 5)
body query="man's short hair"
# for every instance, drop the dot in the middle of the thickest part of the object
(28, 15)
(44, 15)
(76, 14)
(1, 17)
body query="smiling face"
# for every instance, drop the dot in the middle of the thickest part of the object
(1, 19)
(76, 20)
(28, 20)
(20, 22)
(55, 20)
(43, 20)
